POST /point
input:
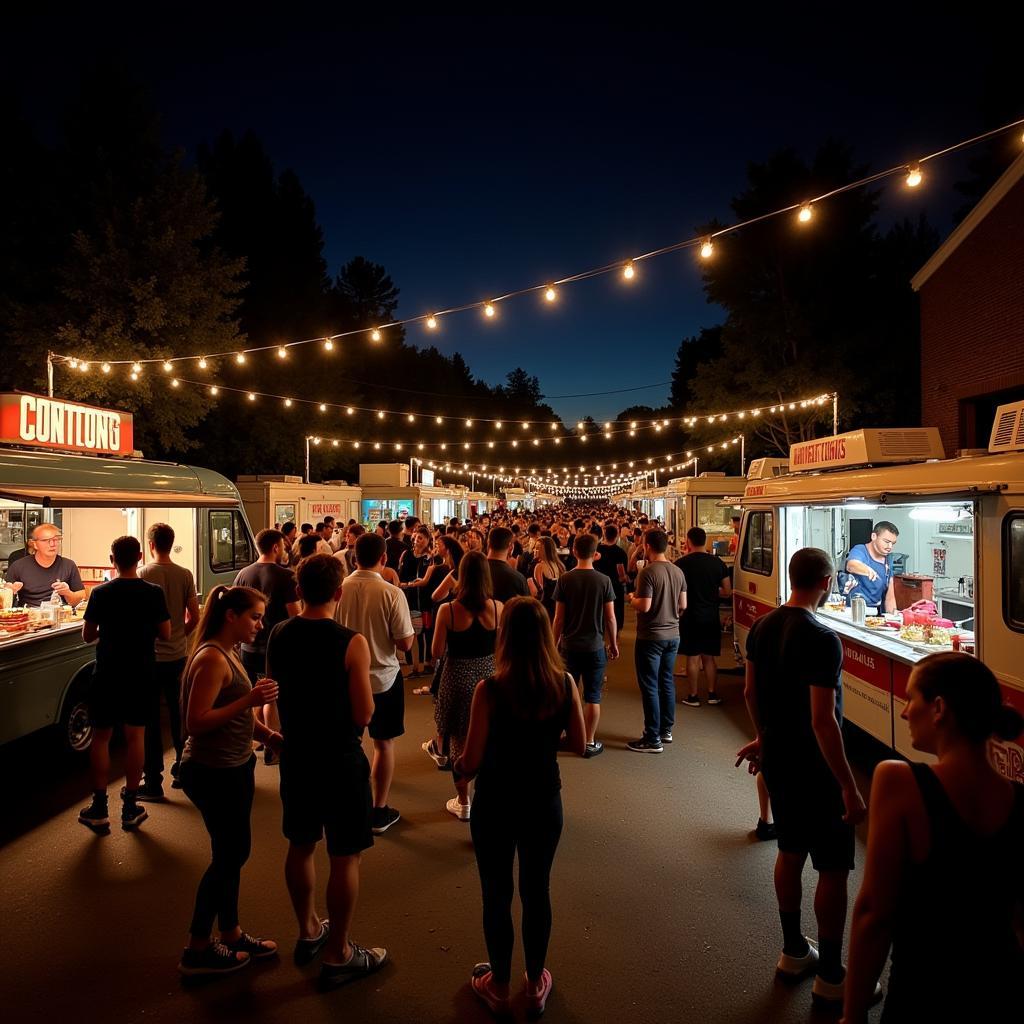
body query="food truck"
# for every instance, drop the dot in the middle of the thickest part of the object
(703, 501)
(958, 563)
(388, 494)
(281, 499)
(74, 466)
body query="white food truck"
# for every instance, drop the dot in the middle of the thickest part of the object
(960, 546)
(281, 499)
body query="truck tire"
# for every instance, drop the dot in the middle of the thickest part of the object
(75, 727)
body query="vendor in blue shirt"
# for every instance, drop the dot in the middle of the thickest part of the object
(870, 568)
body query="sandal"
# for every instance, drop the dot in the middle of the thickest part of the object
(535, 1002)
(481, 982)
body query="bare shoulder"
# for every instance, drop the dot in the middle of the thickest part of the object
(892, 780)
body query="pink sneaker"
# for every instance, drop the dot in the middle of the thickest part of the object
(482, 983)
(536, 998)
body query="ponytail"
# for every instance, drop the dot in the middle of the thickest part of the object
(219, 602)
(971, 692)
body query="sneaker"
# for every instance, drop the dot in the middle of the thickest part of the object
(645, 746)
(132, 815)
(306, 950)
(258, 949)
(481, 981)
(833, 992)
(175, 768)
(593, 749)
(460, 810)
(361, 963)
(147, 794)
(215, 959)
(383, 818)
(713, 698)
(798, 966)
(692, 700)
(270, 758)
(536, 998)
(435, 755)
(765, 831)
(95, 816)
(666, 737)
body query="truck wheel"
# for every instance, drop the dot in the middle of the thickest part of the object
(75, 728)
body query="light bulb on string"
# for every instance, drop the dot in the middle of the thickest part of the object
(439, 420)
(914, 175)
(202, 362)
(380, 414)
(350, 410)
(707, 249)
(134, 375)
(328, 345)
(432, 322)
(550, 294)
(174, 382)
(282, 352)
(214, 389)
(168, 366)
(375, 334)
(489, 310)
(628, 272)
(323, 407)
(252, 397)
(105, 367)
(288, 403)
(805, 214)
(136, 368)
(239, 358)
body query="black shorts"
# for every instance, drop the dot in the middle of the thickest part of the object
(388, 720)
(121, 700)
(699, 637)
(809, 819)
(332, 800)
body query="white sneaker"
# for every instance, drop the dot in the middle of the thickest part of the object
(799, 966)
(834, 992)
(460, 810)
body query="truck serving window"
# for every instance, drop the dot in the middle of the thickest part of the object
(757, 544)
(1013, 571)
(229, 542)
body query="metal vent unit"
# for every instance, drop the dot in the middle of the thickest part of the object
(1008, 429)
(766, 468)
(866, 448)
(905, 444)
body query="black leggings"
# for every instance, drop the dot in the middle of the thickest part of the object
(498, 831)
(224, 797)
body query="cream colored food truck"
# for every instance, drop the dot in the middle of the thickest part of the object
(387, 494)
(281, 499)
(70, 464)
(960, 548)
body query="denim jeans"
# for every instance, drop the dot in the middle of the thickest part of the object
(655, 660)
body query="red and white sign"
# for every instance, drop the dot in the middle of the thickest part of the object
(319, 509)
(829, 451)
(70, 426)
(746, 610)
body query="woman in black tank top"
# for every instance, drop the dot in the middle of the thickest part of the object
(517, 720)
(942, 878)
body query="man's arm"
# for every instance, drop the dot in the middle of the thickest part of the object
(611, 628)
(559, 622)
(357, 662)
(830, 741)
(191, 607)
(890, 596)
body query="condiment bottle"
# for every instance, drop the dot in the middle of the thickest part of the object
(859, 607)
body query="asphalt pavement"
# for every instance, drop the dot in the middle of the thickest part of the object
(663, 901)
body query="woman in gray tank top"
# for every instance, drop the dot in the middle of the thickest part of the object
(217, 772)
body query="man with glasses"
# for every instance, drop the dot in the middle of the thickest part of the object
(35, 577)
(870, 569)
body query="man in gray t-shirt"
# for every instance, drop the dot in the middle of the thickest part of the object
(659, 599)
(584, 614)
(183, 606)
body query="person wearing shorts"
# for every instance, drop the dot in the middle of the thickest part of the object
(584, 616)
(323, 673)
(373, 607)
(794, 697)
(700, 630)
(125, 618)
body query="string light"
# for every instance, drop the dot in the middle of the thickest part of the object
(628, 272)
(489, 310)
(174, 383)
(134, 375)
(323, 407)
(202, 363)
(252, 397)
(328, 345)
(432, 322)
(136, 368)
(805, 213)
(282, 352)
(240, 358)
(167, 366)
(288, 403)
(105, 367)
(214, 389)
(913, 178)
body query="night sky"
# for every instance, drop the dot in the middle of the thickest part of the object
(475, 156)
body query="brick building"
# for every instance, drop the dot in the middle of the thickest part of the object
(972, 317)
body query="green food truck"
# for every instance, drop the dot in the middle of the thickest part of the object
(73, 465)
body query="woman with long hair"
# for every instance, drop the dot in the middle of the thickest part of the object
(942, 876)
(465, 634)
(217, 771)
(448, 555)
(546, 570)
(519, 716)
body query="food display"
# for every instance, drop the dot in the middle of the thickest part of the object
(875, 621)
(13, 621)
(913, 634)
(939, 636)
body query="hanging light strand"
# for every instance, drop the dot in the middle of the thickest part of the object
(549, 289)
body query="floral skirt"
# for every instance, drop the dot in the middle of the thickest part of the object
(455, 694)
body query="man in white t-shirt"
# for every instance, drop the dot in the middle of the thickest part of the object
(380, 612)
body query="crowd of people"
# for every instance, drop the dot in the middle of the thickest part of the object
(510, 621)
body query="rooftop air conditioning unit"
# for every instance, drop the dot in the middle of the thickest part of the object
(1008, 429)
(763, 469)
(705, 475)
(869, 447)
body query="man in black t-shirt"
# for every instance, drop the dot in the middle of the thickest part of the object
(395, 546)
(794, 697)
(612, 561)
(126, 616)
(325, 702)
(700, 630)
(505, 581)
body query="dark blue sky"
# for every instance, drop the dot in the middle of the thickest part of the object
(476, 156)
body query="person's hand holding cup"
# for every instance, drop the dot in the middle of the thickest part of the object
(264, 692)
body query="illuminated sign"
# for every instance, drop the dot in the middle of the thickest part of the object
(69, 426)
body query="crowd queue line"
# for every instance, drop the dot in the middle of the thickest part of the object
(513, 618)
